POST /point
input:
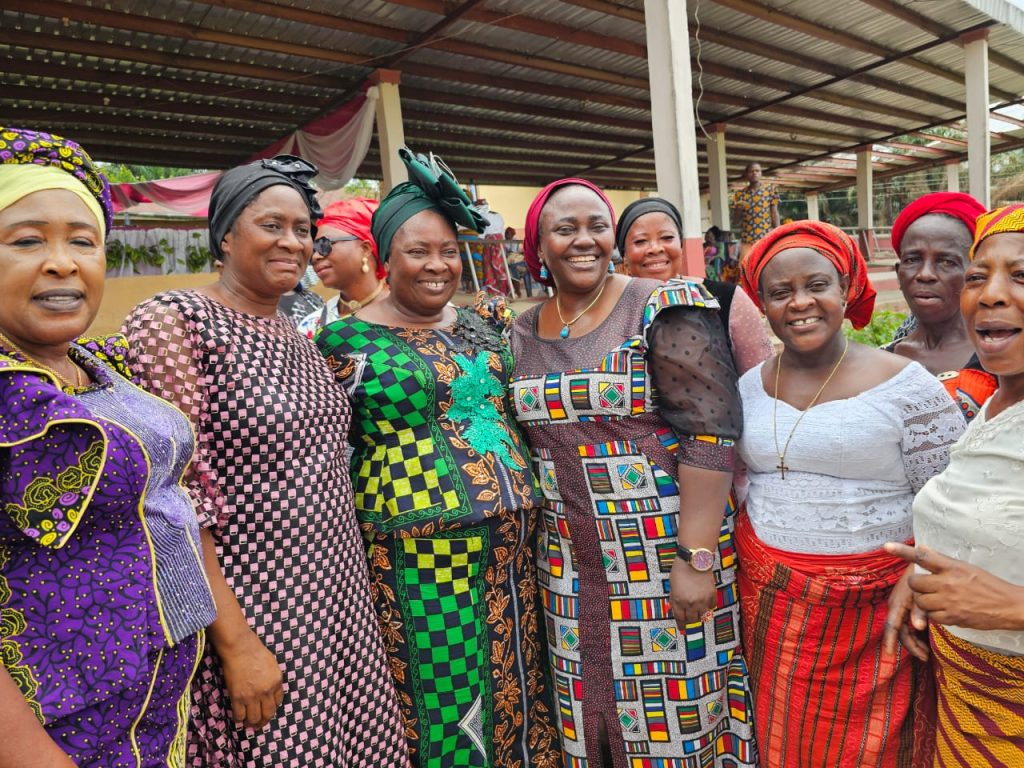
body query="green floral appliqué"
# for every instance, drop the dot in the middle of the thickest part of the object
(471, 393)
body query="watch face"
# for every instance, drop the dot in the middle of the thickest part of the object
(702, 560)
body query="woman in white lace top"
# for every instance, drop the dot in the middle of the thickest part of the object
(838, 437)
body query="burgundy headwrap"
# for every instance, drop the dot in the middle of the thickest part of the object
(832, 243)
(353, 217)
(531, 235)
(956, 204)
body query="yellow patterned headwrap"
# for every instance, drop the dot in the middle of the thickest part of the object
(18, 181)
(1010, 218)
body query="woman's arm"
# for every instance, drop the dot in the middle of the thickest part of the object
(694, 378)
(25, 741)
(251, 672)
(703, 494)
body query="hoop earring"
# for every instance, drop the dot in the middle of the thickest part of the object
(366, 265)
(544, 274)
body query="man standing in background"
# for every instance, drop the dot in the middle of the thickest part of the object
(755, 209)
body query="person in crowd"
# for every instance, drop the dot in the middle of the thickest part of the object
(931, 237)
(296, 673)
(444, 492)
(755, 209)
(712, 257)
(961, 601)
(345, 258)
(301, 301)
(649, 238)
(626, 391)
(838, 437)
(103, 600)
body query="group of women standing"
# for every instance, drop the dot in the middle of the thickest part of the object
(616, 531)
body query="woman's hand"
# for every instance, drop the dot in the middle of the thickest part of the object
(957, 593)
(905, 622)
(692, 594)
(253, 679)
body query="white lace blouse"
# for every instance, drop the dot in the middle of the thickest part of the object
(852, 467)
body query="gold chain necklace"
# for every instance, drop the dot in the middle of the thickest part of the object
(781, 466)
(564, 333)
(354, 306)
(65, 383)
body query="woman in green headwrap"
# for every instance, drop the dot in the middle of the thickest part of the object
(444, 493)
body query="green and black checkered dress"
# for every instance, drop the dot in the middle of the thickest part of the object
(446, 500)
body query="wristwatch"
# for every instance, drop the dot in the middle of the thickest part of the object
(700, 559)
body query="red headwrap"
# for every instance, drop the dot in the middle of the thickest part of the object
(832, 243)
(531, 234)
(956, 204)
(353, 217)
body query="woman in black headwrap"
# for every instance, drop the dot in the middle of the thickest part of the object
(296, 673)
(444, 493)
(649, 238)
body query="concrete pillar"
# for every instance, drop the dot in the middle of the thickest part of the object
(675, 139)
(718, 177)
(978, 138)
(865, 202)
(953, 176)
(705, 212)
(390, 131)
(812, 206)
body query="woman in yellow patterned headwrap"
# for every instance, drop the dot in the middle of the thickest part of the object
(966, 582)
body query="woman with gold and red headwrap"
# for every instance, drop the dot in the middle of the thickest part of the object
(345, 258)
(965, 584)
(838, 437)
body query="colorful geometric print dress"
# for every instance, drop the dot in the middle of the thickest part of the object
(103, 597)
(607, 460)
(446, 499)
(271, 481)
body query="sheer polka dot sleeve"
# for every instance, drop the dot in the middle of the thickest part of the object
(694, 379)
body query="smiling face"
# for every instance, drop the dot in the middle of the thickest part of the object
(804, 298)
(269, 245)
(933, 256)
(653, 248)
(424, 265)
(343, 266)
(992, 303)
(53, 266)
(576, 239)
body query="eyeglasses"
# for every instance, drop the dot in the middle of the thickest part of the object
(324, 245)
(290, 164)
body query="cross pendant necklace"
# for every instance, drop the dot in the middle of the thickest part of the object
(781, 466)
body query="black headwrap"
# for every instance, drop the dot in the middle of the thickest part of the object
(237, 188)
(431, 187)
(640, 208)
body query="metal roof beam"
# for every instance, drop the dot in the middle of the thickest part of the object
(933, 27)
(812, 29)
(68, 44)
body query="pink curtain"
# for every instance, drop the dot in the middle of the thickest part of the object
(336, 143)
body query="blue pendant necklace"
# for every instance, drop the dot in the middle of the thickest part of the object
(567, 324)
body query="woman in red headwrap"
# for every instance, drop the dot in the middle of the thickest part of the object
(345, 258)
(932, 237)
(626, 391)
(838, 437)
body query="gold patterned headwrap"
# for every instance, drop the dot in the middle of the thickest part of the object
(1009, 218)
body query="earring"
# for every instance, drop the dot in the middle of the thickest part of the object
(366, 265)
(544, 271)
(611, 267)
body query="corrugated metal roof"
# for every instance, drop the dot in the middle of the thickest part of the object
(512, 89)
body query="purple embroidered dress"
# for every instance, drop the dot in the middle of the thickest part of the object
(102, 591)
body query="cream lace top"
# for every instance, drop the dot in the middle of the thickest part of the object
(853, 465)
(974, 510)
